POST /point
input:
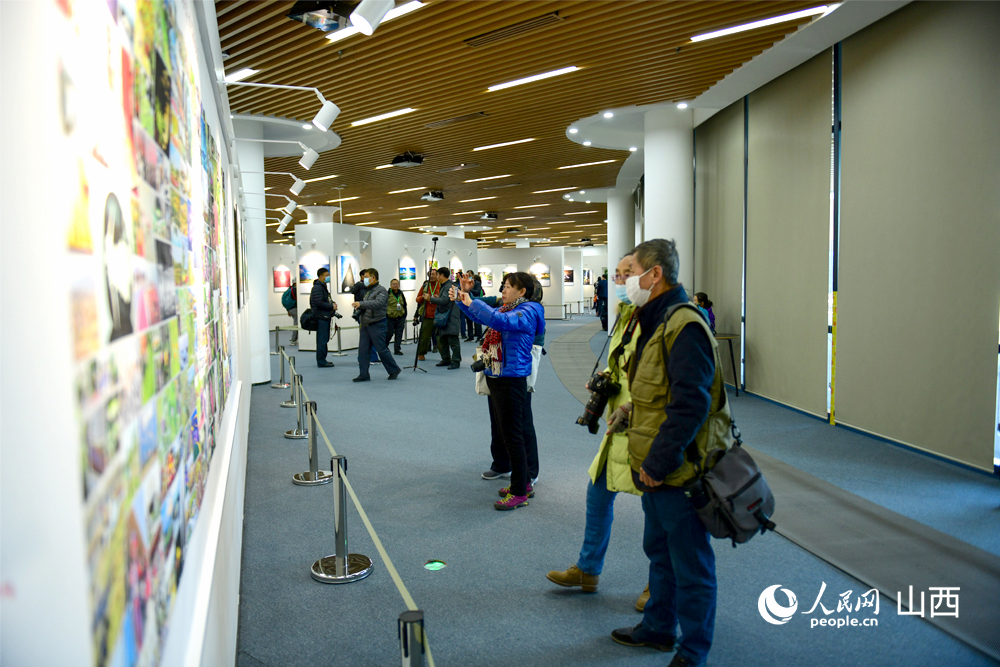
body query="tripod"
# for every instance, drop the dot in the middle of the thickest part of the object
(416, 355)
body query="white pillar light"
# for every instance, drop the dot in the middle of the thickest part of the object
(297, 186)
(369, 13)
(327, 114)
(308, 158)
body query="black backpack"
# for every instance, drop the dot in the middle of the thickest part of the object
(308, 320)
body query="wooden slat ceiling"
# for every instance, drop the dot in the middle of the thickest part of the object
(630, 53)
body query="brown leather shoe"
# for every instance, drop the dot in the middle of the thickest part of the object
(421, 358)
(640, 604)
(574, 576)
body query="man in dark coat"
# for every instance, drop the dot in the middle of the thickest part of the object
(373, 322)
(324, 307)
(448, 341)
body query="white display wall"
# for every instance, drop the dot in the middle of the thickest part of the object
(524, 259)
(573, 291)
(595, 260)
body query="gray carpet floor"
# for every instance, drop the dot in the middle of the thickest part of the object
(415, 449)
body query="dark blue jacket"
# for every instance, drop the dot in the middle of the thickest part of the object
(319, 300)
(691, 371)
(518, 329)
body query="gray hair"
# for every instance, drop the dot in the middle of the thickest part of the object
(658, 252)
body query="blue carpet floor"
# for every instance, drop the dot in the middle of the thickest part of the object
(415, 448)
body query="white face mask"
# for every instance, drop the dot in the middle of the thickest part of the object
(636, 294)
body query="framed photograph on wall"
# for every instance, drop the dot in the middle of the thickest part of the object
(543, 273)
(428, 265)
(407, 275)
(486, 276)
(347, 273)
(567, 276)
(282, 278)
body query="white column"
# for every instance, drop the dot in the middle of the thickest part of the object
(319, 213)
(620, 229)
(638, 225)
(669, 182)
(251, 157)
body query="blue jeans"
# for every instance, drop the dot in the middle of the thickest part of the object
(600, 514)
(682, 584)
(371, 341)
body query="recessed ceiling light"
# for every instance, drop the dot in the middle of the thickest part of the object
(583, 192)
(536, 77)
(526, 217)
(486, 178)
(682, 105)
(539, 192)
(564, 222)
(272, 224)
(593, 224)
(321, 178)
(531, 206)
(501, 187)
(307, 126)
(579, 212)
(334, 201)
(420, 218)
(536, 229)
(396, 192)
(240, 75)
(586, 164)
(760, 24)
(362, 224)
(466, 201)
(391, 114)
(383, 166)
(633, 148)
(506, 143)
(466, 212)
(347, 215)
(586, 143)
(406, 208)
(608, 114)
(573, 130)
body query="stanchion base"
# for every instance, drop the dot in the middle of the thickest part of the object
(325, 569)
(297, 434)
(309, 479)
(288, 404)
(279, 385)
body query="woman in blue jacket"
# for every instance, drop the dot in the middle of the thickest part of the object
(507, 355)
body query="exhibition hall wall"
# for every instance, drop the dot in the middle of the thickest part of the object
(545, 263)
(918, 304)
(125, 403)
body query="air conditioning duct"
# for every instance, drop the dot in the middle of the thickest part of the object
(433, 195)
(408, 159)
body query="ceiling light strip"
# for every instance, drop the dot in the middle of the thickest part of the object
(487, 178)
(506, 143)
(396, 192)
(762, 23)
(586, 164)
(541, 192)
(536, 77)
(391, 114)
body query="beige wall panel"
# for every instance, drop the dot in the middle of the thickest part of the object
(719, 222)
(919, 289)
(788, 236)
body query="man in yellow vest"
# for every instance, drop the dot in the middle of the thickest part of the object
(675, 382)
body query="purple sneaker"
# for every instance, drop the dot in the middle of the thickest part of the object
(510, 502)
(506, 491)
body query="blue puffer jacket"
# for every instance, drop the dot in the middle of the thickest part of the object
(518, 329)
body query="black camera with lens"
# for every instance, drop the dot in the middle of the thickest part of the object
(601, 389)
(478, 365)
(337, 315)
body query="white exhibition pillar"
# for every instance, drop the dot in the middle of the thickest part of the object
(319, 213)
(620, 229)
(669, 182)
(251, 157)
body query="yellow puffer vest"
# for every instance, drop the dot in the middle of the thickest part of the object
(650, 391)
(614, 447)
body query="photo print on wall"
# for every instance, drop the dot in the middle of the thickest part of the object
(588, 277)
(486, 276)
(310, 264)
(543, 273)
(407, 274)
(282, 278)
(567, 276)
(347, 273)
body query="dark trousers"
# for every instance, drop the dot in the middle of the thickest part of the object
(322, 338)
(682, 585)
(394, 326)
(446, 341)
(501, 462)
(508, 397)
(373, 337)
(470, 328)
(426, 335)
(602, 312)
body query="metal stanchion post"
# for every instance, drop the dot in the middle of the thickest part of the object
(412, 644)
(297, 433)
(290, 403)
(340, 351)
(314, 475)
(342, 567)
(275, 351)
(281, 384)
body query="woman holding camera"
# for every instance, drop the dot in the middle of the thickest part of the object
(507, 357)
(610, 472)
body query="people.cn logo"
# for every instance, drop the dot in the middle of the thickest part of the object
(771, 610)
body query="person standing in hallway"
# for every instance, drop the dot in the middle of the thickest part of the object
(677, 400)
(601, 293)
(291, 298)
(395, 314)
(448, 342)
(324, 307)
(426, 310)
(358, 291)
(610, 473)
(373, 325)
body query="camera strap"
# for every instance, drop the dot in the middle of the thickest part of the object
(604, 347)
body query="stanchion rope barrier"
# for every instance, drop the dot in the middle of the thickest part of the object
(400, 586)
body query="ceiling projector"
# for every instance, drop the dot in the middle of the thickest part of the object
(433, 195)
(408, 159)
(489, 215)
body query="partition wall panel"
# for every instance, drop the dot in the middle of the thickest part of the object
(919, 293)
(719, 221)
(788, 236)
